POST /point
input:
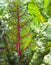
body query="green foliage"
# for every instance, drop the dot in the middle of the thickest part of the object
(32, 7)
(49, 8)
(34, 19)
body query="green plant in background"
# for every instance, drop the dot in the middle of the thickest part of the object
(3, 29)
(41, 30)
(42, 40)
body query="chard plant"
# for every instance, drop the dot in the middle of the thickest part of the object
(25, 32)
(19, 34)
(19, 20)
